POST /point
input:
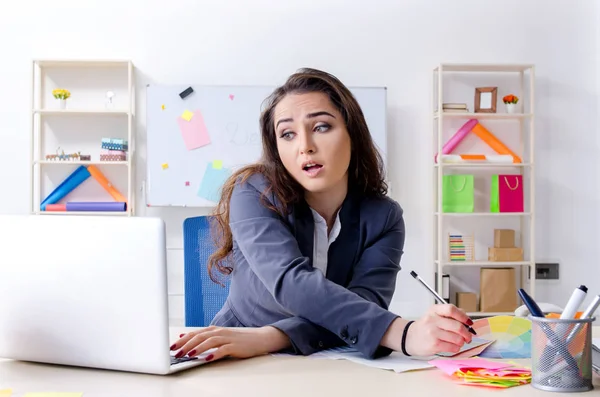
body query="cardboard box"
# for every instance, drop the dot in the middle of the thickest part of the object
(504, 238)
(498, 290)
(466, 301)
(505, 254)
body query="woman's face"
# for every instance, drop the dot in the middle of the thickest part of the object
(313, 142)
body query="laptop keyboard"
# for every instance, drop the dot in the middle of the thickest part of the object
(181, 360)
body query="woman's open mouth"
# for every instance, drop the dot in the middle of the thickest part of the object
(312, 169)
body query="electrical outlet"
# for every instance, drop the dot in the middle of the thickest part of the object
(546, 271)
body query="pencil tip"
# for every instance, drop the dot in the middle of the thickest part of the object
(412, 273)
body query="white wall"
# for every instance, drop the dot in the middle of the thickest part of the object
(391, 43)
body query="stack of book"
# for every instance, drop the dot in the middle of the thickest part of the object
(455, 108)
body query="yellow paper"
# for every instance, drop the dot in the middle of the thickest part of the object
(165, 166)
(53, 394)
(187, 115)
(163, 107)
(217, 164)
(5, 392)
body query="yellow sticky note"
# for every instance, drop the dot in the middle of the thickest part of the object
(5, 392)
(217, 164)
(163, 107)
(187, 115)
(165, 166)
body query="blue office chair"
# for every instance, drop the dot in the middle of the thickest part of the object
(203, 297)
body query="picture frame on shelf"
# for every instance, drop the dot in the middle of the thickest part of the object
(486, 99)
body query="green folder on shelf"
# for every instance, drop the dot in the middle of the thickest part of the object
(458, 193)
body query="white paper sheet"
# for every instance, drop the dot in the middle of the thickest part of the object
(596, 341)
(396, 362)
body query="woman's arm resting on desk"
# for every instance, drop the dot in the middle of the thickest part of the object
(373, 279)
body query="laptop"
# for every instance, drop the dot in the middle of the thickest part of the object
(86, 291)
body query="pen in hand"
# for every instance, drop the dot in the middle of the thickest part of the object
(437, 297)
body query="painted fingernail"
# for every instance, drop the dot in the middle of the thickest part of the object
(209, 357)
(181, 335)
(173, 347)
(469, 322)
(179, 354)
(190, 354)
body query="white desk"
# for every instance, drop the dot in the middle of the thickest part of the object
(262, 376)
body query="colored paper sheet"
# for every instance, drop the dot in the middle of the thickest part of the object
(212, 181)
(187, 115)
(217, 164)
(451, 366)
(165, 166)
(5, 392)
(194, 132)
(473, 351)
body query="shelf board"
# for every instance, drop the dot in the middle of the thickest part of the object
(119, 213)
(482, 164)
(86, 63)
(81, 112)
(485, 263)
(476, 214)
(488, 116)
(78, 162)
(483, 67)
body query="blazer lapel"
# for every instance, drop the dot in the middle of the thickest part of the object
(342, 252)
(305, 229)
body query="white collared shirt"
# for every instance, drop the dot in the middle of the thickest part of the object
(322, 241)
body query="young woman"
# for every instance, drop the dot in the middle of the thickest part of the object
(311, 241)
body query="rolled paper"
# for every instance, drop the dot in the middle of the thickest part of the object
(72, 181)
(95, 172)
(97, 206)
(457, 137)
(493, 142)
(56, 207)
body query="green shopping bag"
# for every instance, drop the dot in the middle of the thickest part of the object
(494, 195)
(458, 193)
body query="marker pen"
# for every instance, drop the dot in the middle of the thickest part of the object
(573, 304)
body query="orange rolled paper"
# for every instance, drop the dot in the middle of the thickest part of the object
(493, 142)
(95, 172)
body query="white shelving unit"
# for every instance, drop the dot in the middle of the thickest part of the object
(520, 79)
(80, 127)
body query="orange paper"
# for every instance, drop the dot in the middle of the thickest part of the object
(95, 172)
(493, 142)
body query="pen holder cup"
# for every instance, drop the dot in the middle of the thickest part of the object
(561, 354)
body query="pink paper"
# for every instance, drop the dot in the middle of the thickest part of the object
(194, 132)
(450, 366)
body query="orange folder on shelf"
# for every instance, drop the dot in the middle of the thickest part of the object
(99, 176)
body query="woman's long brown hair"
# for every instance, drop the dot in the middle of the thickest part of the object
(366, 173)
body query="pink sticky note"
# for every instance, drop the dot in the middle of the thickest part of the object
(194, 132)
(231, 96)
(450, 366)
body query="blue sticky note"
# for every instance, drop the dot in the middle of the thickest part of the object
(212, 181)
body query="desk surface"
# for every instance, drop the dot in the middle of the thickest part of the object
(261, 376)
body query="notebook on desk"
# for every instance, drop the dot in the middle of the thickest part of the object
(87, 291)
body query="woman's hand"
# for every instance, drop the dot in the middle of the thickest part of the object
(442, 329)
(231, 342)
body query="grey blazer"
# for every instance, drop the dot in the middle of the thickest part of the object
(274, 282)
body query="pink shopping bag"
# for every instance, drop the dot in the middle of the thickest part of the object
(511, 193)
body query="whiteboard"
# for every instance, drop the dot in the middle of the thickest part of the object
(194, 143)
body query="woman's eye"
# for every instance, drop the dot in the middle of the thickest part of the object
(322, 127)
(287, 135)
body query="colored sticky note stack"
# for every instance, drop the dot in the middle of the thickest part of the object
(480, 372)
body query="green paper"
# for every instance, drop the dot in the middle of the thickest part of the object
(458, 193)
